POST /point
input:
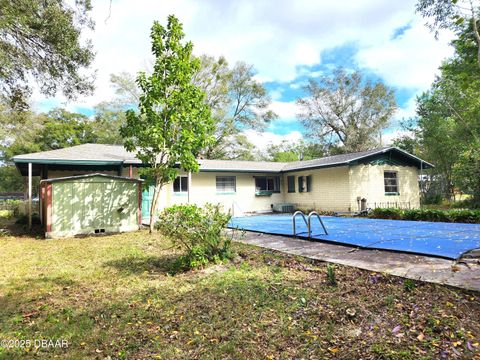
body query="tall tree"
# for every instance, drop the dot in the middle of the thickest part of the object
(287, 151)
(346, 110)
(452, 15)
(42, 40)
(55, 130)
(109, 116)
(173, 122)
(466, 171)
(238, 102)
(448, 128)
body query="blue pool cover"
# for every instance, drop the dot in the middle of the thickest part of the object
(447, 240)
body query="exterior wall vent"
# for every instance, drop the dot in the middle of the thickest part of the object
(283, 208)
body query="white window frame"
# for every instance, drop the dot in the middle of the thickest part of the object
(390, 185)
(181, 191)
(224, 189)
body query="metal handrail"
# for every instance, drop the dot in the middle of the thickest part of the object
(310, 222)
(293, 221)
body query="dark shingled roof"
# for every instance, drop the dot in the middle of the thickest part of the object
(85, 152)
(117, 154)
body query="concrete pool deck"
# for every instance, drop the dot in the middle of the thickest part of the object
(463, 274)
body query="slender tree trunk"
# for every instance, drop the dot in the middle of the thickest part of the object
(153, 209)
(476, 34)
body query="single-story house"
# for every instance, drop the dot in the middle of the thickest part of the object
(379, 177)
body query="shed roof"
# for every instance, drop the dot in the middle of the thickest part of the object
(81, 154)
(100, 154)
(86, 176)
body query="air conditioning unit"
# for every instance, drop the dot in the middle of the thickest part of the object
(283, 208)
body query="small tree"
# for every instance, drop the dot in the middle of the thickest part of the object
(173, 123)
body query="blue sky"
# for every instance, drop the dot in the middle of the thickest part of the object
(286, 41)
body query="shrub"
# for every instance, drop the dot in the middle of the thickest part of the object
(386, 213)
(460, 215)
(23, 219)
(6, 214)
(199, 232)
(432, 199)
(331, 280)
(466, 204)
(11, 205)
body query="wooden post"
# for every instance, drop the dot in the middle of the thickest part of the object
(29, 196)
(130, 171)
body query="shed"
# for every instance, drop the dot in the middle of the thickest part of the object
(90, 204)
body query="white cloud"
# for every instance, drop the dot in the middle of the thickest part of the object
(276, 94)
(263, 140)
(407, 111)
(286, 110)
(280, 38)
(410, 60)
(388, 138)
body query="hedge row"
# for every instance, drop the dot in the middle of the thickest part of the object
(458, 216)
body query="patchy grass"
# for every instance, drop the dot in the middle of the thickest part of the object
(112, 296)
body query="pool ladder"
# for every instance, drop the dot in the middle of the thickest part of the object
(307, 222)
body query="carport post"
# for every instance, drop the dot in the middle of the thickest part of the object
(189, 185)
(29, 196)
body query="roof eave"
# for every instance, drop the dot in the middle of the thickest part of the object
(89, 176)
(66, 162)
(242, 171)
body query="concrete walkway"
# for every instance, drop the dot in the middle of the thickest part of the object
(465, 274)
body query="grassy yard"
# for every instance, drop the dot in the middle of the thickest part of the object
(113, 297)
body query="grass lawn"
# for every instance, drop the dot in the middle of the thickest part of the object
(113, 297)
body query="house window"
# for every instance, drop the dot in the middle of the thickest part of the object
(391, 182)
(267, 183)
(305, 183)
(180, 184)
(291, 184)
(226, 184)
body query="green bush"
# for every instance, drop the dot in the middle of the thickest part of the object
(386, 213)
(460, 215)
(12, 205)
(199, 232)
(6, 214)
(23, 219)
(432, 199)
(465, 204)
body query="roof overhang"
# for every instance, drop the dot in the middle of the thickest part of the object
(40, 165)
(420, 163)
(247, 171)
(67, 162)
(86, 176)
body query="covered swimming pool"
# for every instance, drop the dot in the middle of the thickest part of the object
(446, 240)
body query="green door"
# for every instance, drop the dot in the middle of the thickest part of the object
(147, 196)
